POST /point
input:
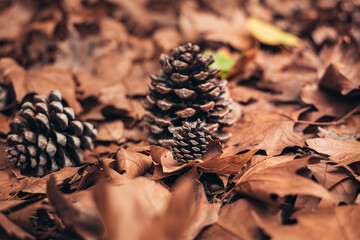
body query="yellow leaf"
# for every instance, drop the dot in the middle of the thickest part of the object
(269, 34)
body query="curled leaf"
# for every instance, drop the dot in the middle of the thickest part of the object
(133, 164)
(212, 162)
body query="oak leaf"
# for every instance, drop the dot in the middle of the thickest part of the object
(332, 223)
(340, 151)
(279, 179)
(236, 221)
(271, 132)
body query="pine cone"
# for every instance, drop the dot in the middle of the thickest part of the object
(190, 141)
(186, 89)
(47, 137)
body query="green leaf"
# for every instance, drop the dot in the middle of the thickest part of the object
(223, 61)
(269, 34)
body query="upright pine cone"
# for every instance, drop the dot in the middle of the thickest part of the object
(47, 137)
(186, 89)
(190, 141)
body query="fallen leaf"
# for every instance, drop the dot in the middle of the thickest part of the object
(211, 163)
(326, 174)
(223, 61)
(332, 223)
(327, 104)
(41, 82)
(86, 223)
(187, 213)
(345, 191)
(127, 208)
(340, 70)
(196, 24)
(21, 14)
(13, 73)
(132, 164)
(277, 181)
(236, 221)
(36, 185)
(10, 184)
(24, 216)
(341, 151)
(294, 68)
(110, 131)
(12, 229)
(110, 171)
(269, 34)
(7, 204)
(49, 78)
(271, 132)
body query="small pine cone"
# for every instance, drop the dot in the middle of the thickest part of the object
(190, 141)
(46, 136)
(187, 89)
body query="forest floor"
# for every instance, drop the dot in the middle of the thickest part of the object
(290, 170)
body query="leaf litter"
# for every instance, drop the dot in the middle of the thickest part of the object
(291, 169)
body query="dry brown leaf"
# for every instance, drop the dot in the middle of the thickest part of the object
(85, 222)
(270, 184)
(127, 208)
(195, 24)
(12, 229)
(345, 191)
(115, 96)
(49, 78)
(110, 131)
(10, 184)
(138, 79)
(187, 213)
(341, 67)
(340, 151)
(109, 166)
(20, 13)
(293, 69)
(13, 73)
(36, 185)
(132, 164)
(6, 204)
(23, 216)
(167, 38)
(332, 223)
(236, 221)
(271, 132)
(211, 163)
(40, 82)
(326, 174)
(327, 104)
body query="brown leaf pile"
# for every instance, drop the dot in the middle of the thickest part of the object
(291, 169)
